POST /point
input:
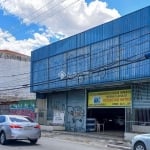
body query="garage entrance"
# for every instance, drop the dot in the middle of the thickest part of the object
(112, 118)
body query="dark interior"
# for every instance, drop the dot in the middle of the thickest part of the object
(113, 118)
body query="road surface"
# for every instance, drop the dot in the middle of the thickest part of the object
(52, 143)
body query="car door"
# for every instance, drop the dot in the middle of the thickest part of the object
(2, 120)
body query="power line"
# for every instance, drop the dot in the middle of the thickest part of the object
(129, 59)
(36, 14)
(106, 49)
(142, 58)
(93, 70)
(51, 8)
(57, 11)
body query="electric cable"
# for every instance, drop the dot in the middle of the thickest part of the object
(58, 79)
(107, 49)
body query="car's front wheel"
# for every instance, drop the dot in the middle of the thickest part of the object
(139, 146)
(3, 140)
(33, 141)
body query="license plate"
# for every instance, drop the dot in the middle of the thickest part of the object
(28, 128)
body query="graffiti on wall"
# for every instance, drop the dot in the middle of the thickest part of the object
(23, 107)
(75, 120)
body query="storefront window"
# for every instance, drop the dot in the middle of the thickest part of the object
(142, 116)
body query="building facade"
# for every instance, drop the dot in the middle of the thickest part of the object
(101, 74)
(15, 96)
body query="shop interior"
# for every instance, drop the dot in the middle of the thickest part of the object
(112, 119)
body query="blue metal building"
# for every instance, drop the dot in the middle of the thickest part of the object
(101, 73)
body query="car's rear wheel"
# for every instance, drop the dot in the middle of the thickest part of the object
(3, 140)
(33, 141)
(139, 146)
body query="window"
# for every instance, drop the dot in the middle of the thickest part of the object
(2, 119)
(142, 116)
(19, 119)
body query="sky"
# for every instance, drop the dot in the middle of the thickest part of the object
(26, 25)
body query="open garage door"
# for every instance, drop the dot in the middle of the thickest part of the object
(108, 107)
(112, 118)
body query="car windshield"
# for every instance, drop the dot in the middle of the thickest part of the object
(19, 119)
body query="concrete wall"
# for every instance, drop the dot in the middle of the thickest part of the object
(14, 73)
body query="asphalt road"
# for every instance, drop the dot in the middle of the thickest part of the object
(54, 143)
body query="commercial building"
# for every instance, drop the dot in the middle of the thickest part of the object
(15, 96)
(102, 73)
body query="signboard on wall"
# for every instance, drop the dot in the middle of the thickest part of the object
(58, 117)
(114, 98)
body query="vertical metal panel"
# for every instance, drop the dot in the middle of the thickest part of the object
(83, 65)
(90, 36)
(141, 95)
(57, 66)
(114, 47)
(132, 21)
(144, 13)
(134, 45)
(34, 55)
(94, 35)
(97, 33)
(39, 54)
(83, 59)
(119, 26)
(107, 30)
(80, 39)
(40, 75)
(62, 46)
(76, 111)
(56, 101)
(43, 53)
(72, 78)
(104, 56)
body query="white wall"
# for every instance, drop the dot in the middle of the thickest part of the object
(14, 74)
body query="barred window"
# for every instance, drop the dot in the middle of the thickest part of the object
(142, 116)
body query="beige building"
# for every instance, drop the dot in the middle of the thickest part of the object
(14, 79)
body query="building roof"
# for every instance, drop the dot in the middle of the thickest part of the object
(4, 99)
(8, 54)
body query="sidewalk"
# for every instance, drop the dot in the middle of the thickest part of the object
(112, 138)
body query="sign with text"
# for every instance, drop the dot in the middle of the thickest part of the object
(115, 98)
(58, 117)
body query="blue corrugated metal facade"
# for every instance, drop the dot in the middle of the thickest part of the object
(112, 53)
(106, 53)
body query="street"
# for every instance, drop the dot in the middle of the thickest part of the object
(50, 143)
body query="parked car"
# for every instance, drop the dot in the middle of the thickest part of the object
(141, 142)
(15, 127)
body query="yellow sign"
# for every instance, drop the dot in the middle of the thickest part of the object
(115, 98)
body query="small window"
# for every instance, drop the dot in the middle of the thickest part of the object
(18, 119)
(2, 119)
(30, 120)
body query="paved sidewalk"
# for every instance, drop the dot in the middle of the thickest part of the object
(113, 139)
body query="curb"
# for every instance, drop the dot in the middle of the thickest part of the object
(118, 146)
(117, 143)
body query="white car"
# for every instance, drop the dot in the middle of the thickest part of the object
(14, 127)
(141, 142)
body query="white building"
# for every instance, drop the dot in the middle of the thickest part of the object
(14, 78)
